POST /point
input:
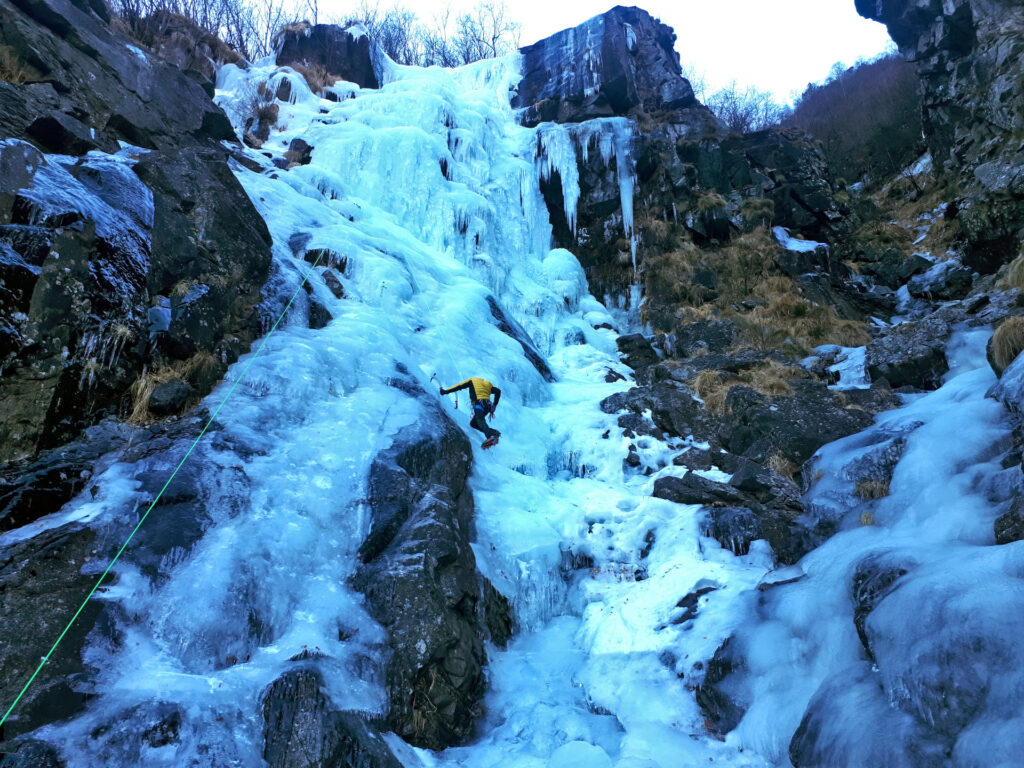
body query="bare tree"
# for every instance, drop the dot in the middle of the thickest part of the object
(745, 109)
(698, 79)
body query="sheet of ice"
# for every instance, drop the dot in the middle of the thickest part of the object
(563, 147)
(945, 490)
(851, 365)
(790, 243)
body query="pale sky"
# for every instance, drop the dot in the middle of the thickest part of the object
(776, 45)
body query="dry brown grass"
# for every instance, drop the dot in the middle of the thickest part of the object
(710, 201)
(712, 389)
(1008, 342)
(1013, 276)
(790, 323)
(758, 210)
(201, 371)
(770, 378)
(785, 467)
(746, 270)
(317, 76)
(884, 234)
(12, 68)
(870, 489)
(668, 277)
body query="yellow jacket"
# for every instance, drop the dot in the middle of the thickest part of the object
(479, 389)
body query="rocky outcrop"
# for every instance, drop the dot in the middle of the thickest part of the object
(42, 583)
(910, 354)
(302, 729)
(970, 58)
(29, 754)
(420, 580)
(789, 427)
(342, 54)
(112, 264)
(87, 88)
(619, 63)
(179, 41)
(689, 178)
(44, 579)
(673, 409)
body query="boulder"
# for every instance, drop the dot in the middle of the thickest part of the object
(109, 88)
(343, 54)
(875, 577)
(303, 729)
(636, 351)
(673, 410)
(766, 486)
(319, 315)
(894, 269)
(791, 427)
(333, 283)
(692, 488)
(1009, 526)
(419, 577)
(29, 753)
(694, 458)
(716, 695)
(705, 336)
(169, 397)
(945, 281)
(634, 66)
(736, 527)
(910, 354)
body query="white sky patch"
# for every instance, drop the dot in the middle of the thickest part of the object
(778, 47)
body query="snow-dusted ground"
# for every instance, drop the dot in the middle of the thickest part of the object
(429, 191)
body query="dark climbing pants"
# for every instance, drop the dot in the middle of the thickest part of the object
(479, 421)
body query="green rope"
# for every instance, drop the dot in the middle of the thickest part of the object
(181, 463)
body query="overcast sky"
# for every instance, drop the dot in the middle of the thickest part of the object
(776, 45)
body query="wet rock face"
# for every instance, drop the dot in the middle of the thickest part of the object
(302, 729)
(41, 587)
(420, 580)
(111, 264)
(30, 754)
(910, 354)
(88, 89)
(970, 57)
(789, 427)
(1009, 526)
(73, 305)
(614, 64)
(716, 695)
(344, 53)
(875, 577)
(673, 409)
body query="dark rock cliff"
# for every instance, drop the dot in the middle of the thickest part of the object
(342, 54)
(619, 63)
(112, 265)
(691, 179)
(970, 57)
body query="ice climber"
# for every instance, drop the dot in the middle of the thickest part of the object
(480, 391)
